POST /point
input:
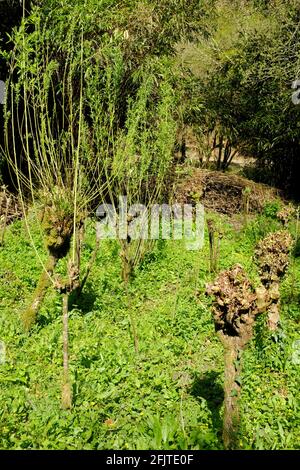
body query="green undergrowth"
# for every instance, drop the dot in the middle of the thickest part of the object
(169, 395)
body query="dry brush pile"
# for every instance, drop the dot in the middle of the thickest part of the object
(224, 193)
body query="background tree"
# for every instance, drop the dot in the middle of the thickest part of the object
(245, 70)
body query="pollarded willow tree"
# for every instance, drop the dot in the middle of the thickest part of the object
(140, 168)
(235, 308)
(89, 113)
(272, 255)
(142, 160)
(59, 172)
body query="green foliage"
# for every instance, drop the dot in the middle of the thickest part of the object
(271, 209)
(261, 226)
(245, 70)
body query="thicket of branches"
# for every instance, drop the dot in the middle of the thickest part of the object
(11, 13)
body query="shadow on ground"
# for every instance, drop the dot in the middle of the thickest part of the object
(85, 301)
(207, 386)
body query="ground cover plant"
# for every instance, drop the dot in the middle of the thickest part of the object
(134, 337)
(168, 396)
